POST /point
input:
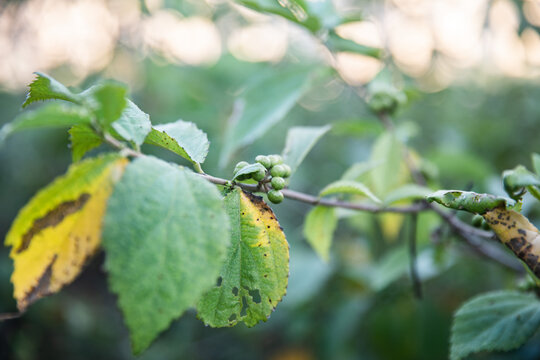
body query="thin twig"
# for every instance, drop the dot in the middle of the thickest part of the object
(467, 232)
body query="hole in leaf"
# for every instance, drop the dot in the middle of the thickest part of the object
(232, 317)
(235, 291)
(219, 281)
(255, 295)
(243, 312)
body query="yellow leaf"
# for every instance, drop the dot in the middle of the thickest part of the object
(56, 233)
(516, 232)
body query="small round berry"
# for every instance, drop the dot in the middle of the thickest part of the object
(240, 165)
(485, 225)
(287, 170)
(275, 196)
(275, 159)
(278, 183)
(259, 175)
(477, 220)
(278, 170)
(264, 161)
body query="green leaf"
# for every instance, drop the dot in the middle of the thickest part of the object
(496, 321)
(292, 10)
(83, 139)
(337, 43)
(319, 227)
(358, 170)
(44, 87)
(182, 138)
(467, 200)
(108, 100)
(517, 179)
(387, 152)
(133, 124)
(348, 187)
(254, 277)
(165, 237)
(262, 105)
(407, 192)
(249, 169)
(536, 163)
(51, 115)
(300, 140)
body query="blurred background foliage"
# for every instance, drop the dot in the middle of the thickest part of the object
(469, 69)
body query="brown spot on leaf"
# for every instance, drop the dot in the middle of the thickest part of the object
(41, 289)
(53, 218)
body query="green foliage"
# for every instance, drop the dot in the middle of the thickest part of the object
(263, 104)
(182, 138)
(52, 115)
(516, 180)
(319, 227)
(467, 200)
(407, 192)
(248, 171)
(300, 140)
(496, 321)
(83, 139)
(337, 43)
(45, 87)
(349, 187)
(165, 236)
(134, 124)
(253, 279)
(108, 101)
(389, 172)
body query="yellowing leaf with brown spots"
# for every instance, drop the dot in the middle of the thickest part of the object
(60, 228)
(254, 277)
(516, 232)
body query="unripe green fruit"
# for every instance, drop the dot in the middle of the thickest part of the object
(287, 170)
(275, 159)
(259, 175)
(264, 161)
(275, 196)
(240, 165)
(477, 220)
(278, 183)
(485, 225)
(278, 171)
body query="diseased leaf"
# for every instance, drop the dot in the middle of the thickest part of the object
(300, 140)
(44, 87)
(51, 115)
(165, 236)
(262, 105)
(407, 192)
(319, 227)
(348, 187)
(249, 169)
(254, 277)
(60, 228)
(133, 124)
(516, 232)
(467, 200)
(83, 139)
(516, 180)
(496, 321)
(182, 138)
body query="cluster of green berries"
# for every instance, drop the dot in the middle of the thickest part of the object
(275, 174)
